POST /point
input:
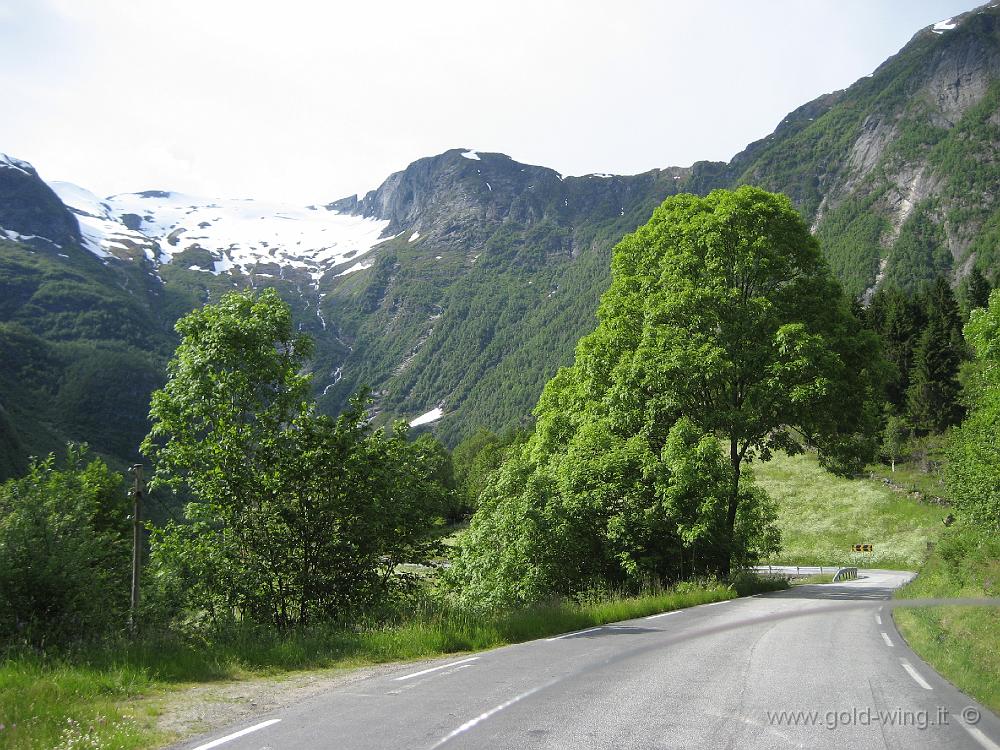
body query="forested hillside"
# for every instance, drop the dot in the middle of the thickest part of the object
(487, 269)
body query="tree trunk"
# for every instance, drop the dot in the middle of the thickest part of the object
(735, 459)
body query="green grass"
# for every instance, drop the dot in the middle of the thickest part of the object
(961, 643)
(821, 516)
(92, 698)
(911, 478)
(818, 578)
(55, 704)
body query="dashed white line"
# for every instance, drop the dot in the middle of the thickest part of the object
(982, 739)
(916, 676)
(434, 669)
(577, 632)
(662, 614)
(886, 639)
(234, 735)
(878, 619)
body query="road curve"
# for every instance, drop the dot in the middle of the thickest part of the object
(817, 666)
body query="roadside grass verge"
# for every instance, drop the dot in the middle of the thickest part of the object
(961, 643)
(821, 516)
(90, 697)
(818, 578)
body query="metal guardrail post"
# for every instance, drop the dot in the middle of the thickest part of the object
(845, 574)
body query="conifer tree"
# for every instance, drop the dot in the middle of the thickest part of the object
(932, 397)
(977, 290)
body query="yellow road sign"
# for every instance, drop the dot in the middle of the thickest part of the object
(864, 547)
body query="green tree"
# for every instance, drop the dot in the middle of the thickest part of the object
(977, 290)
(294, 516)
(973, 468)
(898, 320)
(894, 437)
(735, 322)
(722, 312)
(933, 395)
(64, 552)
(476, 458)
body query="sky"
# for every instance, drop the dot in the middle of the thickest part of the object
(305, 101)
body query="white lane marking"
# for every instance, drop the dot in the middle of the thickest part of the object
(887, 641)
(713, 603)
(234, 735)
(916, 676)
(878, 619)
(982, 739)
(434, 669)
(662, 614)
(577, 632)
(484, 716)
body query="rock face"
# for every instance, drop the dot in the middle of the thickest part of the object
(898, 173)
(30, 210)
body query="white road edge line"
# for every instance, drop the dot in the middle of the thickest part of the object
(662, 614)
(234, 735)
(981, 738)
(878, 619)
(432, 669)
(484, 716)
(576, 632)
(887, 641)
(916, 676)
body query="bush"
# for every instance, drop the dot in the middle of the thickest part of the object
(64, 556)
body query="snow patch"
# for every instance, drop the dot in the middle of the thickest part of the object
(9, 162)
(359, 266)
(241, 232)
(414, 237)
(471, 155)
(942, 26)
(432, 416)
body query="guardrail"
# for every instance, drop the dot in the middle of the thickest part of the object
(846, 574)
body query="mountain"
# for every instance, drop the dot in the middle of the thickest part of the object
(459, 286)
(897, 174)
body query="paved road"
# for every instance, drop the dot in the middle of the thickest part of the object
(714, 676)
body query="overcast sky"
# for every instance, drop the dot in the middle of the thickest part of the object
(310, 101)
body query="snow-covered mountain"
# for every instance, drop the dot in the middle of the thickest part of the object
(242, 235)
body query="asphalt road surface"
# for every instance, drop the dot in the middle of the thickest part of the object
(817, 666)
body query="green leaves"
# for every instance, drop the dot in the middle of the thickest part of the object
(973, 469)
(721, 323)
(64, 552)
(293, 515)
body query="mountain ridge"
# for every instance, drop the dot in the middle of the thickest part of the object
(474, 274)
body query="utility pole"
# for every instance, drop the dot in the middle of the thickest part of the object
(137, 491)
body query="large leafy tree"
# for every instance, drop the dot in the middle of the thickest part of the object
(294, 515)
(721, 313)
(974, 451)
(731, 318)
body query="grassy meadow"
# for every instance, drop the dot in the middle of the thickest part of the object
(821, 516)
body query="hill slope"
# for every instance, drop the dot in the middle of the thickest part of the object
(464, 280)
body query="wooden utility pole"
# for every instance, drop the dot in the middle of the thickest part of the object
(137, 491)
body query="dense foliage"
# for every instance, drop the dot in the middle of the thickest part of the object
(974, 460)
(922, 337)
(722, 322)
(293, 515)
(64, 552)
